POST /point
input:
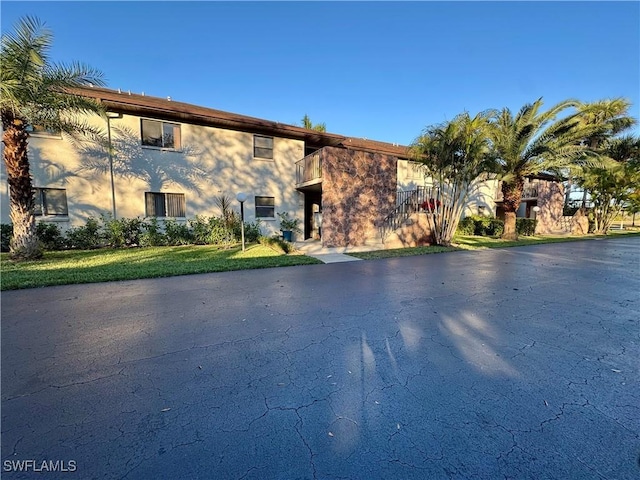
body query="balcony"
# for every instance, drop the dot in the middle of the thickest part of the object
(309, 170)
(530, 192)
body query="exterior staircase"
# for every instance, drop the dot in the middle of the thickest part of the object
(567, 225)
(407, 225)
(564, 224)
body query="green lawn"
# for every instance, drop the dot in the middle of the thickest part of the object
(402, 252)
(470, 242)
(105, 265)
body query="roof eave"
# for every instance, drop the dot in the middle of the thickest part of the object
(165, 109)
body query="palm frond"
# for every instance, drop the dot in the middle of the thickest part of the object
(31, 87)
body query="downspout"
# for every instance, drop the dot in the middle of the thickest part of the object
(111, 115)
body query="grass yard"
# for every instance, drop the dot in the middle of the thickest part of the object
(88, 266)
(402, 252)
(106, 265)
(471, 242)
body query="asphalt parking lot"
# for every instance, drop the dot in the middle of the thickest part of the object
(516, 363)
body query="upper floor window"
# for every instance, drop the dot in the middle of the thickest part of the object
(160, 134)
(415, 171)
(262, 147)
(50, 201)
(165, 204)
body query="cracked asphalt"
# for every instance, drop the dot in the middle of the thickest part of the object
(518, 363)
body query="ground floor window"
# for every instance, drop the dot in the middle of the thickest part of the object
(39, 130)
(265, 207)
(51, 201)
(165, 204)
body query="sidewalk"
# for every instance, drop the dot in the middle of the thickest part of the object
(314, 248)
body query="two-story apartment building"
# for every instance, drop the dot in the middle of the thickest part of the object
(167, 159)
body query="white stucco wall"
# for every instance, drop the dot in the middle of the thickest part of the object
(481, 199)
(410, 175)
(211, 162)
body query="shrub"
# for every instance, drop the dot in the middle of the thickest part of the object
(152, 235)
(85, 237)
(480, 225)
(132, 229)
(229, 216)
(496, 227)
(200, 227)
(592, 221)
(122, 232)
(50, 236)
(220, 234)
(526, 226)
(487, 226)
(287, 223)
(6, 234)
(252, 231)
(177, 233)
(466, 226)
(112, 231)
(224, 230)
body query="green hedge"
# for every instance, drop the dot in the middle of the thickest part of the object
(6, 234)
(132, 232)
(466, 226)
(526, 226)
(482, 226)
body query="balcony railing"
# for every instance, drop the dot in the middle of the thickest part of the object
(529, 192)
(309, 169)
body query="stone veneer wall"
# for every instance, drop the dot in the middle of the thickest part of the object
(358, 192)
(415, 232)
(551, 203)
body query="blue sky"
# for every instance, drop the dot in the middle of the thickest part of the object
(380, 70)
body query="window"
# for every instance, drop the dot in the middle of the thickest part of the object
(415, 170)
(50, 201)
(262, 147)
(160, 134)
(265, 207)
(39, 130)
(165, 204)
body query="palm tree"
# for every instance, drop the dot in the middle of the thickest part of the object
(456, 156)
(612, 186)
(318, 127)
(532, 142)
(610, 117)
(35, 92)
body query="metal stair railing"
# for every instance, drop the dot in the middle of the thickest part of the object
(407, 202)
(565, 224)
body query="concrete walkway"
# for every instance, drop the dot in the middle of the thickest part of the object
(314, 248)
(518, 363)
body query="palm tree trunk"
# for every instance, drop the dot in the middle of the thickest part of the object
(24, 245)
(512, 196)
